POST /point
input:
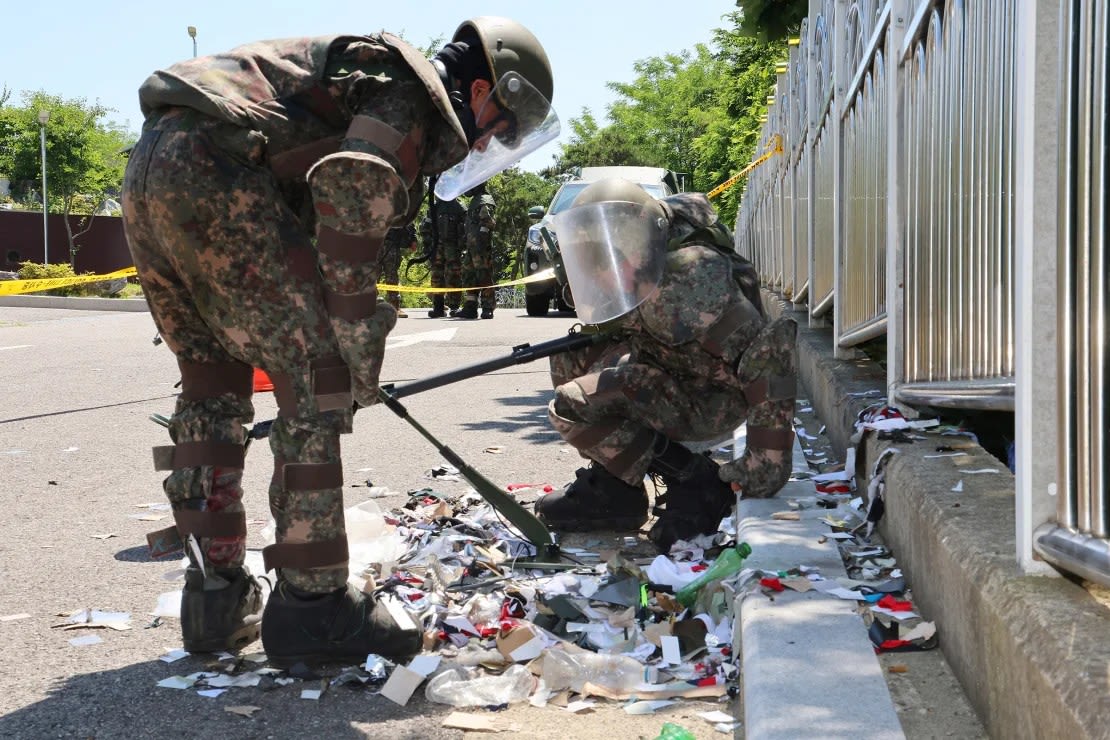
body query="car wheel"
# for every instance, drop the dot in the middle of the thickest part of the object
(537, 305)
(563, 300)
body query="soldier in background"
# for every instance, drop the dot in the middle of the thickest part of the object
(398, 240)
(255, 205)
(688, 357)
(445, 242)
(479, 256)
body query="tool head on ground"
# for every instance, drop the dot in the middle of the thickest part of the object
(613, 243)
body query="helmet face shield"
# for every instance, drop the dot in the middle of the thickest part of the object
(614, 254)
(521, 120)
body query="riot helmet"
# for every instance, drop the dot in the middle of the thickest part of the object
(515, 117)
(613, 242)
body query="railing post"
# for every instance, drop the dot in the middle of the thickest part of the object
(813, 122)
(900, 12)
(1037, 100)
(841, 78)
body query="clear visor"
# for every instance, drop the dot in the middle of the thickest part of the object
(614, 254)
(522, 122)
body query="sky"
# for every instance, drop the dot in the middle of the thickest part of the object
(103, 51)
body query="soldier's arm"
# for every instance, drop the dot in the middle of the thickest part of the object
(359, 193)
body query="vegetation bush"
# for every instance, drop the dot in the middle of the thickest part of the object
(104, 288)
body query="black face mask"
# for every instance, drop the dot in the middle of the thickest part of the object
(466, 118)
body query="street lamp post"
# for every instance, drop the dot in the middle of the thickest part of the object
(44, 116)
(193, 36)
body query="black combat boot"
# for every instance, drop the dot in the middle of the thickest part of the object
(342, 625)
(220, 612)
(487, 312)
(437, 311)
(696, 498)
(468, 311)
(595, 499)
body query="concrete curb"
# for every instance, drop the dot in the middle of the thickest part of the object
(809, 668)
(80, 304)
(1031, 653)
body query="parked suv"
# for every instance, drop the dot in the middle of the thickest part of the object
(538, 255)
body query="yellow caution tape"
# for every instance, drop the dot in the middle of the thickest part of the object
(542, 275)
(19, 287)
(774, 147)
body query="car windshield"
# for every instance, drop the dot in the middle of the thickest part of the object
(571, 190)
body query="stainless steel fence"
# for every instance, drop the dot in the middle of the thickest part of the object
(1083, 512)
(899, 132)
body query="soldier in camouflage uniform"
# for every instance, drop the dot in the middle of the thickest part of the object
(446, 243)
(398, 240)
(479, 256)
(255, 205)
(692, 362)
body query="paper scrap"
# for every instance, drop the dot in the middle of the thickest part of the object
(943, 454)
(647, 707)
(424, 664)
(977, 471)
(173, 655)
(401, 685)
(211, 693)
(244, 710)
(177, 682)
(105, 536)
(959, 487)
(312, 694)
(923, 631)
(672, 653)
(716, 716)
(243, 679)
(581, 705)
(14, 617)
(86, 640)
(471, 722)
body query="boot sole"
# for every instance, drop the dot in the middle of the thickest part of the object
(235, 641)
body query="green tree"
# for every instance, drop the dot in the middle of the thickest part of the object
(514, 192)
(84, 159)
(771, 20)
(696, 112)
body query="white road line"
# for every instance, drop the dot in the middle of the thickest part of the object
(407, 340)
(16, 346)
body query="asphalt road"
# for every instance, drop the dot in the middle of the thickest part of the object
(76, 391)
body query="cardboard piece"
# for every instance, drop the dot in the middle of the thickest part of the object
(520, 644)
(470, 722)
(401, 685)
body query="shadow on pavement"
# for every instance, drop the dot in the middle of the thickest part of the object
(126, 703)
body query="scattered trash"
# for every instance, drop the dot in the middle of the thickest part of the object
(106, 536)
(466, 687)
(173, 655)
(14, 617)
(470, 722)
(959, 487)
(245, 710)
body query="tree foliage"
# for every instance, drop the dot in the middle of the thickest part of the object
(514, 192)
(84, 159)
(696, 112)
(771, 20)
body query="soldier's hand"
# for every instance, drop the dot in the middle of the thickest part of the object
(759, 473)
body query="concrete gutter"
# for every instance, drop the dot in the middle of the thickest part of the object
(1032, 653)
(79, 304)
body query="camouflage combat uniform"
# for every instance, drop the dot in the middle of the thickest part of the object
(398, 240)
(685, 364)
(450, 242)
(244, 158)
(479, 250)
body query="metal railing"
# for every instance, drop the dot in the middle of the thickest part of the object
(893, 212)
(1083, 512)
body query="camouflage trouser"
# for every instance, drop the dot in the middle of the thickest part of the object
(446, 272)
(389, 263)
(231, 281)
(609, 407)
(478, 263)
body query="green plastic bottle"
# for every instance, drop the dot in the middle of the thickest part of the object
(671, 731)
(728, 562)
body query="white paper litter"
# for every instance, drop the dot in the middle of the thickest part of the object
(86, 640)
(716, 716)
(959, 487)
(168, 606)
(173, 655)
(211, 693)
(647, 707)
(177, 682)
(667, 572)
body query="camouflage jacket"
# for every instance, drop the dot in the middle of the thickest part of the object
(450, 226)
(375, 97)
(480, 222)
(706, 310)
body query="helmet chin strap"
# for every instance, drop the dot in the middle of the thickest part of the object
(460, 102)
